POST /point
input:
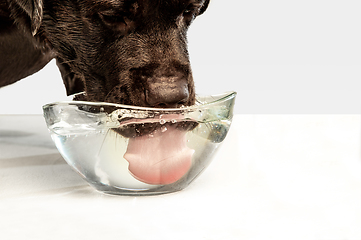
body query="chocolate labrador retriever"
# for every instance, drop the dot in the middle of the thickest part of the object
(122, 51)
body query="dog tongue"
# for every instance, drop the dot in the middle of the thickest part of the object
(159, 158)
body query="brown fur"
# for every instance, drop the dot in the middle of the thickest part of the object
(122, 51)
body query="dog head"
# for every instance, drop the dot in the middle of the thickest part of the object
(125, 51)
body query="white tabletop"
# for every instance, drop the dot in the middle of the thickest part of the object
(275, 177)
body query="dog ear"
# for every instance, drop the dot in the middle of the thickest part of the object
(27, 12)
(204, 7)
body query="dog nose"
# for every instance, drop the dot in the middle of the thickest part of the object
(167, 93)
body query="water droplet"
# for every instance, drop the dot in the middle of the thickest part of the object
(162, 121)
(101, 109)
(174, 121)
(164, 128)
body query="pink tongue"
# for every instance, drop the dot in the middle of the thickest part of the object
(159, 158)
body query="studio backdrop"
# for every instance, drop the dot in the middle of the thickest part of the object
(280, 56)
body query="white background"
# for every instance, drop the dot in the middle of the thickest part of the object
(281, 56)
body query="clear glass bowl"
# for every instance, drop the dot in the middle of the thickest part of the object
(128, 150)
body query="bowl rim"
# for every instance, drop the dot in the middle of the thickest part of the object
(226, 96)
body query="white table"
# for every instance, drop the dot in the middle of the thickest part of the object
(275, 177)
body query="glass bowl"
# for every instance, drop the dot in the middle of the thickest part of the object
(128, 150)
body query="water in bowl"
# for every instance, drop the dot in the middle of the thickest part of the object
(97, 153)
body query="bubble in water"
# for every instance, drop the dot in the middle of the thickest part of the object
(164, 128)
(162, 121)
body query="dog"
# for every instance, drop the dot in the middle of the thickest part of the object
(130, 52)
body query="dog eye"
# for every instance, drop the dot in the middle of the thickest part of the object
(111, 19)
(116, 21)
(190, 11)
